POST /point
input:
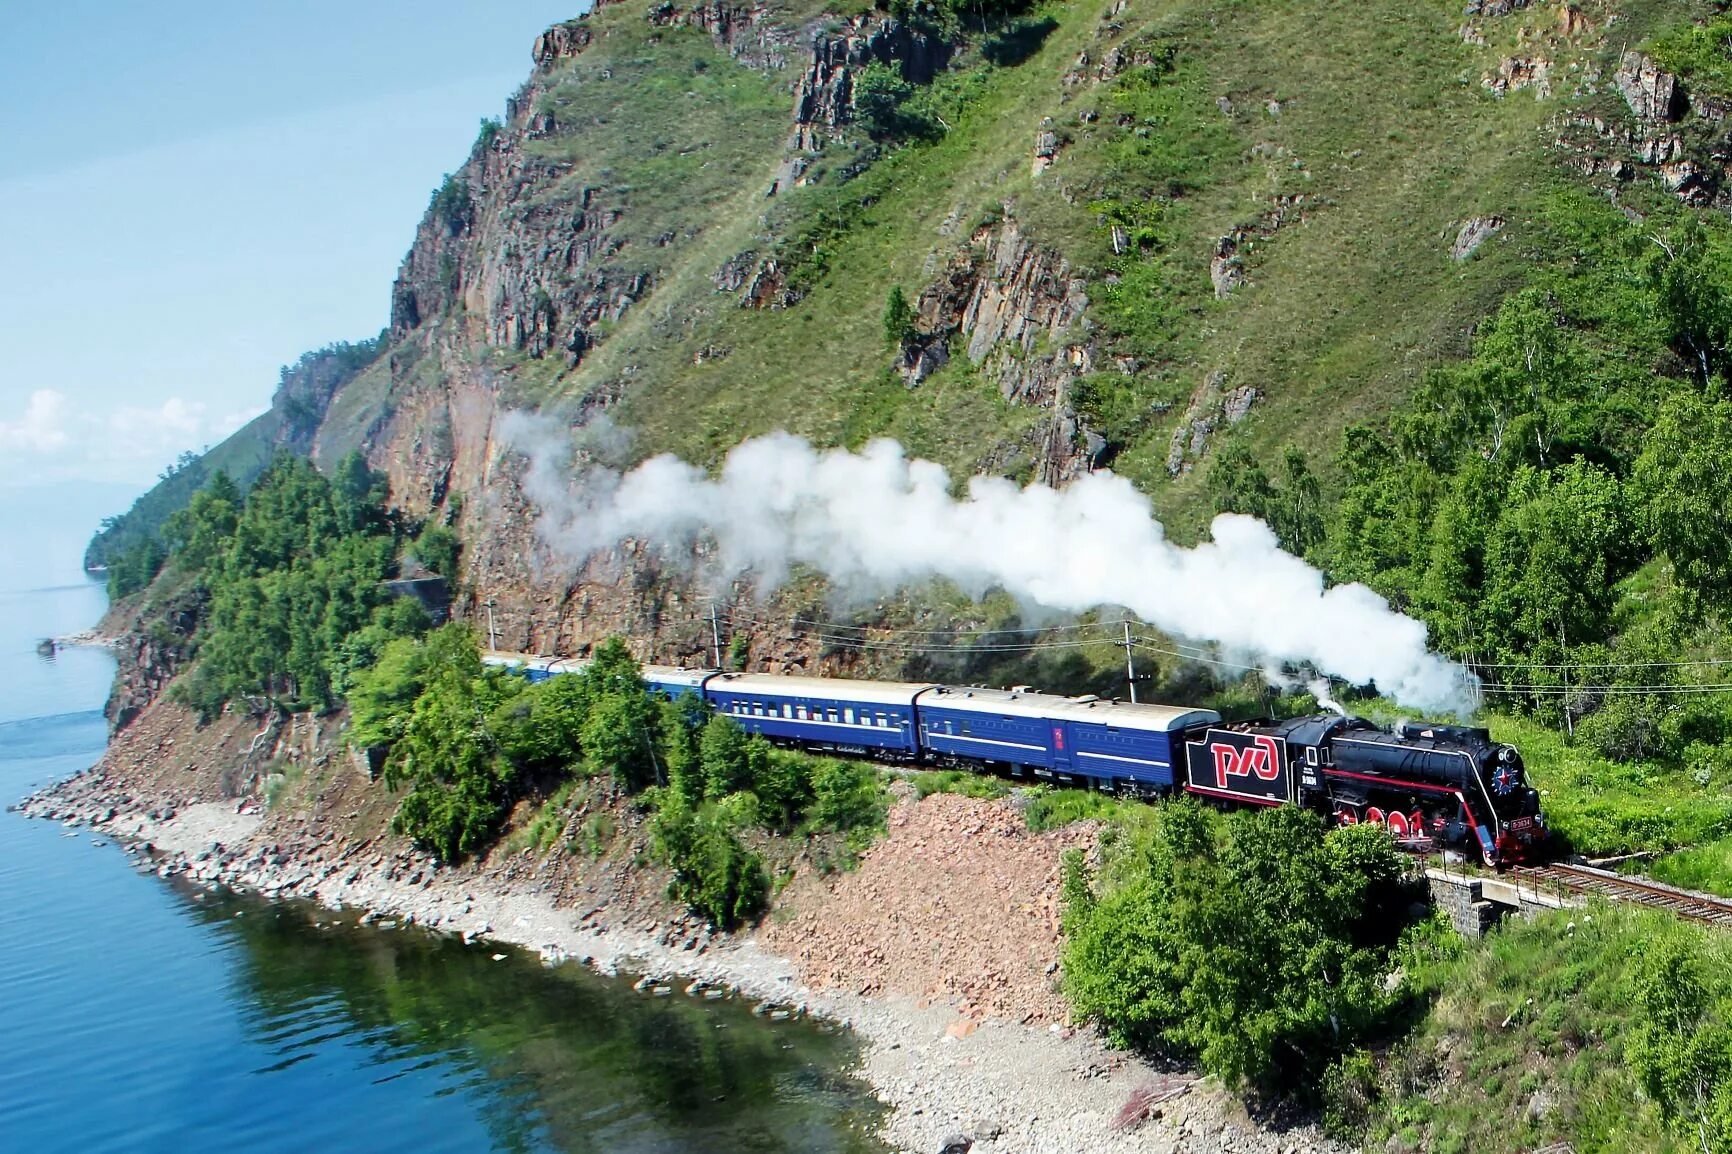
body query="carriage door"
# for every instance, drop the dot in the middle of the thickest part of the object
(1060, 746)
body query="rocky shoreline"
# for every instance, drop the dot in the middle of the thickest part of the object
(952, 1081)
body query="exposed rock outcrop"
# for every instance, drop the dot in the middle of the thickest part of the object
(1212, 406)
(1515, 73)
(1654, 96)
(824, 96)
(1683, 143)
(1226, 270)
(561, 42)
(745, 31)
(1473, 233)
(155, 645)
(1016, 308)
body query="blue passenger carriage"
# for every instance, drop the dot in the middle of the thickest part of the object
(834, 713)
(1123, 747)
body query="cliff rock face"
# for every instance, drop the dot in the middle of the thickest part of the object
(514, 256)
(745, 32)
(153, 648)
(1016, 309)
(824, 99)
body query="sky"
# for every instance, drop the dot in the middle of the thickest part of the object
(193, 193)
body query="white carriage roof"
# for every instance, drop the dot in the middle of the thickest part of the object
(532, 661)
(828, 688)
(675, 675)
(1102, 711)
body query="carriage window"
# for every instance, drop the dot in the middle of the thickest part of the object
(848, 716)
(787, 710)
(883, 721)
(800, 712)
(830, 715)
(1310, 755)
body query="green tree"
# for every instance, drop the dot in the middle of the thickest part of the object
(622, 724)
(1560, 544)
(879, 94)
(618, 736)
(1691, 274)
(295, 583)
(460, 780)
(1293, 508)
(1682, 1046)
(683, 720)
(1520, 394)
(780, 781)
(846, 795)
(898, 317)
(438, 548)
(1257, 942)
(135, 568)
(541, 729)
(198, 533)
(714, 873)
(384, 695)
(723, 751)
(1680, 488)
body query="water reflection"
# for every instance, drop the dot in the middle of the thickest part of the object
(559, 1059)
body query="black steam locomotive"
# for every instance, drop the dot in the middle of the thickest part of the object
(1433, 786)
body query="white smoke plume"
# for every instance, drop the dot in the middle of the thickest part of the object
(876, 520)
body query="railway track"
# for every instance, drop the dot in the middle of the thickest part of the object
(1617, 887)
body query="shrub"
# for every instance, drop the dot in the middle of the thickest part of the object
(1255, 943)
(879, 94)
(1681, 1049)
(898, 317)
(714, 873)
(846, 796)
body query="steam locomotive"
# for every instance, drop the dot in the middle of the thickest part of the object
(1433, 786)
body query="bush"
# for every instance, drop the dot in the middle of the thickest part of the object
(898, 317)
(437, 548)
(879, 94)
(1052, 808)
(726, 756)
(1350, 1092)
(1681, 1049)
(714, 873)
(959, 781)
(846, 796)
(1255, 944)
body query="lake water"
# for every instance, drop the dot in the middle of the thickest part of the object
(138, 1015)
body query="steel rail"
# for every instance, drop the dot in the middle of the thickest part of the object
(1638, 891)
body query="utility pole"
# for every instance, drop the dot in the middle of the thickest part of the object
(715, 636)
(1130, 666)
(492, 633)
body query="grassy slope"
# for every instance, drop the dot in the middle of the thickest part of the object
(1542, 1007)
(1383, 125)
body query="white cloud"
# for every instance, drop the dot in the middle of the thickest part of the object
(52, 439)
(41, 428)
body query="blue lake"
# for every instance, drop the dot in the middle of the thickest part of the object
(141, 1016)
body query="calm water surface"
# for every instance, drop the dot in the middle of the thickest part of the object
(140, 1016)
